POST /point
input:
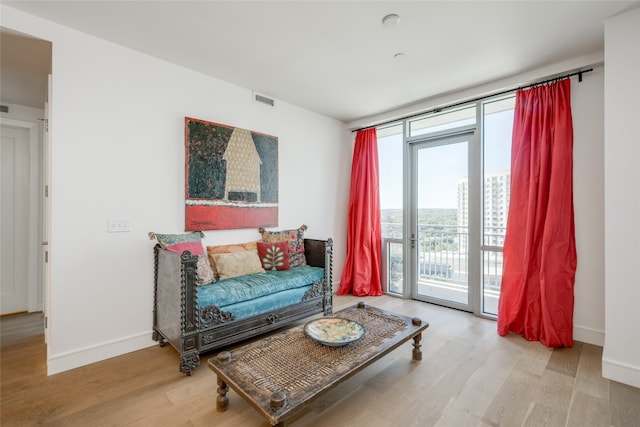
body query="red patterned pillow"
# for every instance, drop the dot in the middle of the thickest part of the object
(295, 238)
(274, 255)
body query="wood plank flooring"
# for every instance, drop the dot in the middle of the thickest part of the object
(16, 327)
(469, 376)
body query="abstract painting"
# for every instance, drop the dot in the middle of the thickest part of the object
(231, 177)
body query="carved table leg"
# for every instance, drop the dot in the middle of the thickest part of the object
(222, 401)
(278, 400)
(417, 353)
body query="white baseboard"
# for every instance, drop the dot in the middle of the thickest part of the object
(57, 363)
(588, 335)
(621, 372)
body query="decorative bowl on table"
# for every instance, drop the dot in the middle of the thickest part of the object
(334, 331)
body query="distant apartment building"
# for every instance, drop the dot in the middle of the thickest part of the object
(496, 205)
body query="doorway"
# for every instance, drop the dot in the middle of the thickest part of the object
(440, 235)
(25, 66)
(19, 213)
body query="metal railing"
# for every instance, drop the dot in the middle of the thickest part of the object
(442, 255)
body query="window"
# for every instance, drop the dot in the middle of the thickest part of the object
(440, 122)
(390, 154)
(497, 126)
(479, 202)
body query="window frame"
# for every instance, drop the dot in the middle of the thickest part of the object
(477, 199)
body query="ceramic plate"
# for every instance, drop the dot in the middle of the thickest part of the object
(334, 331)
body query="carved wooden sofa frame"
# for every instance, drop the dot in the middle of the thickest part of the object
(191, 330)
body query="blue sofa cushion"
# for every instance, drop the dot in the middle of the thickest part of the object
(267, 303)
(245, 288)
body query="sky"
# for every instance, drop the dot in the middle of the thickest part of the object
(439, 168)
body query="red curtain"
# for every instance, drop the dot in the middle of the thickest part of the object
(536, 296)
(361, 274)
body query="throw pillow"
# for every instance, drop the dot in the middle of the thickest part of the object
(236, 264)
(179, 243)
(225, 249)
(204, 273)
(274, 255)
(191, 242)
(295, 239)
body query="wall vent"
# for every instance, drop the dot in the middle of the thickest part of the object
(264, 99)
(4, 108)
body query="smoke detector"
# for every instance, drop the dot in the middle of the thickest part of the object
(391, 20)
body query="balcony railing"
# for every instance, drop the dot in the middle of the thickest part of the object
(443, 257)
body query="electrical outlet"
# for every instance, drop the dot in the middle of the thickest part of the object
(118, 225)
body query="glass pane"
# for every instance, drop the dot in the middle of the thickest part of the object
(390, 153)
(395, 271)
(442, 222)
(492, 264)
(390, 159)
(439, 122)
(498, 125)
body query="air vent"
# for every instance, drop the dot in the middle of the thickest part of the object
(264, 99)
(4, 108)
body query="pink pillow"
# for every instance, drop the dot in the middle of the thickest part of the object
(191, 242)
(194, 247)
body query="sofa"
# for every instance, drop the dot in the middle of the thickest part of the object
(196, 314)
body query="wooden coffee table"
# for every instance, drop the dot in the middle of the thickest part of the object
(280, 374)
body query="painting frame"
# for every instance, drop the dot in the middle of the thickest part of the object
(231, 177)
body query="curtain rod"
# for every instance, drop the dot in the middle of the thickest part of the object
(469, 101)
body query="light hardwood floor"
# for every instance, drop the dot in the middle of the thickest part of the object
(469, 376)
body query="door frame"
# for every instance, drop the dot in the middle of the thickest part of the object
(34, 277)
(449, 136)
(45, 219)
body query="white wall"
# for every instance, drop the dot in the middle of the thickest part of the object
(621, 356)
(117, 150)
(23, 112)
(587, 106)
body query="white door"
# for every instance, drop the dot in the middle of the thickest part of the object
(14, 217)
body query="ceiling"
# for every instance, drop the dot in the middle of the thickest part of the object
(336, 57)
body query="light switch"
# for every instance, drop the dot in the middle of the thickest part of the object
(118, 225)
